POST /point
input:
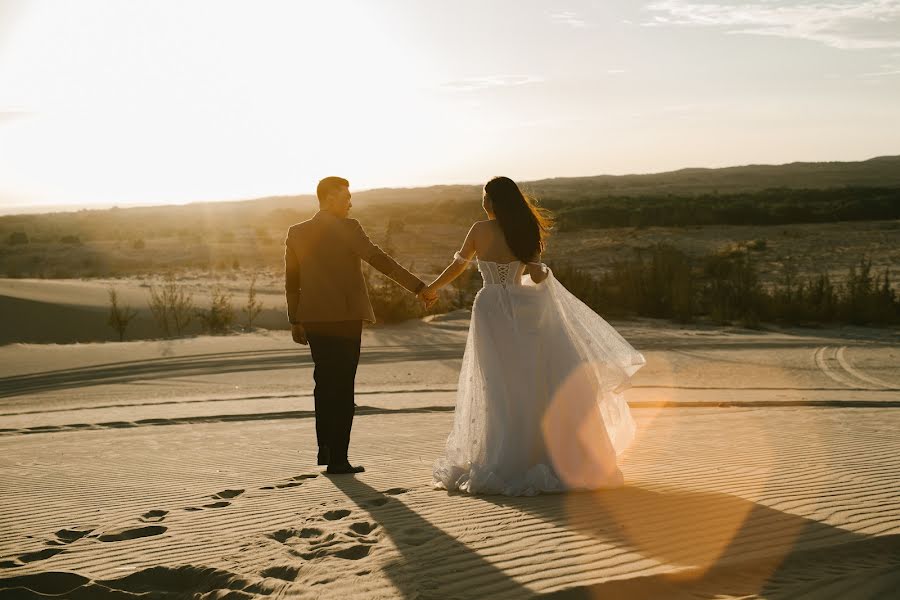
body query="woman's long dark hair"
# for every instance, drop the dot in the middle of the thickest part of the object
(525, 226)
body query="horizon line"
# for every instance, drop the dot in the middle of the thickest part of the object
(9, 210)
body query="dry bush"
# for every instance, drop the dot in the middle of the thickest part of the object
(119, 316)
(171, 307)
(253, 306)
(218, 319)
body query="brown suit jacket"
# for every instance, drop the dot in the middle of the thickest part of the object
(323, 279)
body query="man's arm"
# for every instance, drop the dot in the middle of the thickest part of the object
(376, 257)
(292, 290)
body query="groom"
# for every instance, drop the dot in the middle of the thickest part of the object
(327, 302)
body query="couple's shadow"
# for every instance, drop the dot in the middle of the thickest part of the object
(715, 542)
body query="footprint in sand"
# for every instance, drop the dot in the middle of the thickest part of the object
(282, 535)
(331, 547)
(289, 484)
(354, 552)
(39, 555)
(29, 557)
(153, 516)
(221, 497)
(414, 536)
(285, 573)
(63, 538)
(227, 494)
(376, 502)
(67, 536)
(310, 532)
(334, 515)
(292, 482)
(395, 491)
(131, 534)
(351, 544)
(363, 528)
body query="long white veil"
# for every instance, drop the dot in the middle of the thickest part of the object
(607, 360)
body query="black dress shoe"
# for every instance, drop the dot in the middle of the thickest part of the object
(344, 469)
(324, 455)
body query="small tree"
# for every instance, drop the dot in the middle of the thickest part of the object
(253, 306)
(119, 316)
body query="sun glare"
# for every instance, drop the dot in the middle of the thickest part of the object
(222, 102)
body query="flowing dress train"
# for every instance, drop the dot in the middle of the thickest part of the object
(539, 405)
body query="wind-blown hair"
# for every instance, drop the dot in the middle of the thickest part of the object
(525, 226)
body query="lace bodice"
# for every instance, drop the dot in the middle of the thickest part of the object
(493, 273)
(505, 274)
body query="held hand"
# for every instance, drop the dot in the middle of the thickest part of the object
(299, 334)
(538, 271)
(428, 296)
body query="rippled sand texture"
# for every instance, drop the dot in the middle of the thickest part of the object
(126, 474)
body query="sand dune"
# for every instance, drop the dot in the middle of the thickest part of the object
(65, 311)
(184, 468)
(779, 501)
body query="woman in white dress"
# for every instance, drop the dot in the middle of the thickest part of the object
(539, 406)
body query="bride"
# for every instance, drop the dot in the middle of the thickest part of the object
(539, 406)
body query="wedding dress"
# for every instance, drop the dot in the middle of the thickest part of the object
(539, 406)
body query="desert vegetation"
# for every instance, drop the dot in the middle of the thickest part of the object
(219, 317)
(665, 282)
(171, 306)
(119, 316)
(799, 243)
(768, 207)
(253, 306)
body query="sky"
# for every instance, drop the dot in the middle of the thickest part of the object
(125, 102)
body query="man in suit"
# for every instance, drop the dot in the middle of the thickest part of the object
(327, 302)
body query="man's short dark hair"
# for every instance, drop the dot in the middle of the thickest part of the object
(328, 185)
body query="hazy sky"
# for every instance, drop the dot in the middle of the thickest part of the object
(122, 102)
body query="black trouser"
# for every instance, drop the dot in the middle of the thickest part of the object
(335, 352)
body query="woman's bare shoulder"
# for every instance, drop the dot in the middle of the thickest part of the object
(481, 227)
(486, 225)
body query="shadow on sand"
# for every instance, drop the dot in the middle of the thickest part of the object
(697, 542)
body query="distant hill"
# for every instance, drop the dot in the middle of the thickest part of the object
(207, 235)
(880, 172)
(883, 171)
